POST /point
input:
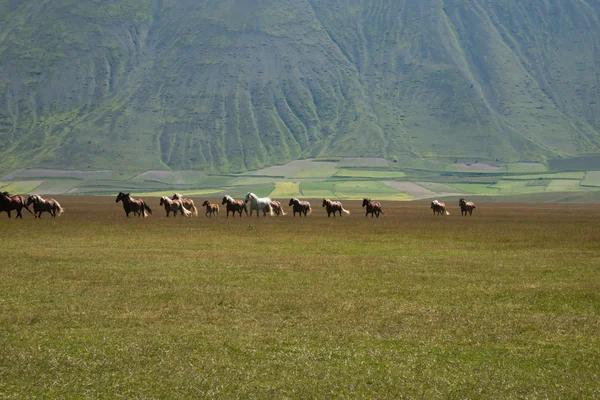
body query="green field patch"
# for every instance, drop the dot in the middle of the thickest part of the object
(592, 178)
(364, 163)
(57, 186)
(562, 185)
(286, 190)
(438, 187)
(515, 187)
(249, 180)
(582, 163)
(539, 182)
(299, 169)
(474, 167)
(170, 177)
(558, 175)
(374, 174)
(22, 187)
(476, 188)
(43, 173)
(526, 167)
(355, 190)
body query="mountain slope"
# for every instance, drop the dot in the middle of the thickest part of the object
(237, 84)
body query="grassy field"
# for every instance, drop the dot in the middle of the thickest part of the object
(503, 304)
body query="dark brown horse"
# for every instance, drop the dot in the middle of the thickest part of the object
(234, 206)
(439, 208)
(136, 206)
(333, 207)
(466, 207)
(211, 209)
(277, 209)
(300, 207)
(373, 207)
(187, 203)
(41, 205)
(10, 202)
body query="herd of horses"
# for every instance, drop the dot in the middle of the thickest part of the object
(186, 207)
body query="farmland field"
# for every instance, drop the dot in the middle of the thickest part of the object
(503, 304)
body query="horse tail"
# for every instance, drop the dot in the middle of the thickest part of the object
(185, 211)
(346, 211)
(282, 212)
(447, 213)
(309, 210)
(59, 209)
(147, 208)
(194, 210)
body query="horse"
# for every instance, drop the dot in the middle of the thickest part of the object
(174, 206)
(373, 207)
(187, 203)
(300, 207)
(259, 204)
(333, 207)
(211, 209)
(439, 208)
(277, 209)
(137, 206)
(41, 205)
(16, 202)
(466, 207)
(234, 206)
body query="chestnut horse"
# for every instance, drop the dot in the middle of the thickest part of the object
(333, 207)
(466, 207)
(211, 209)
(373, 207)
(16, 202)
(174, 206)
(41, 205)
(277, 209)
(187, 203)
(299, 207)
(439, 208)
(136, 206)
(234, 206)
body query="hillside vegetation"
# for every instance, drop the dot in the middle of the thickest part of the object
(236, 85)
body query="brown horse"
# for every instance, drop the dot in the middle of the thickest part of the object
(41, 205)
(137, 206)
(466, 207)
(439, 208)
(234, 206)
(174, 206)
(299, 207)
(277, 209)
(333, 207)
(187, 203)
(373, 207)
(211, 209)
(16, 202)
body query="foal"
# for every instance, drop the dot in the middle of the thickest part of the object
(211, 209)
(277, 209)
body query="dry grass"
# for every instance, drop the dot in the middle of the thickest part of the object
(502, 304)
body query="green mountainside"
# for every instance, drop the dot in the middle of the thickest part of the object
(233, 85)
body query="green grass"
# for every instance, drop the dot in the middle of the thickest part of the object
(559, 175)
(592, 178)
(503, 304)
(473, 188)
(286, 190)
(374, 174)
(22, 186)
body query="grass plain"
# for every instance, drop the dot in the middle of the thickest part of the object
(503, 304)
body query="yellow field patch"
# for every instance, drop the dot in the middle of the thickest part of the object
(285, 189)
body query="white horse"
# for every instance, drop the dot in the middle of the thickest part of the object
(259, 204)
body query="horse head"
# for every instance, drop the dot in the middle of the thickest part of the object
(177, 196)
(164, 200)
(293, 200)
(225, 200)
(249, 196)
(206, 203)
(326, 202)
(120, 196)
(31, 199)
(461, 202)
(366, 202)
